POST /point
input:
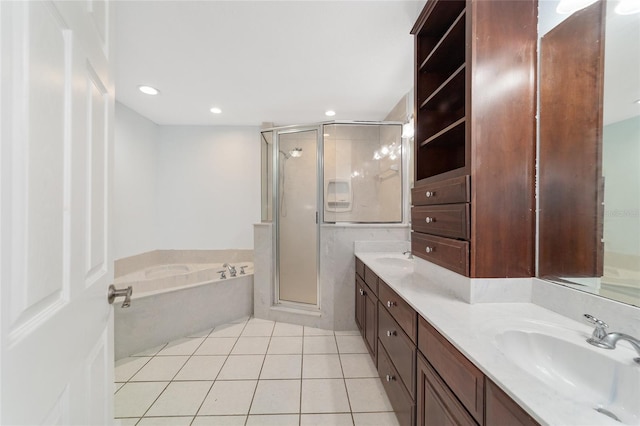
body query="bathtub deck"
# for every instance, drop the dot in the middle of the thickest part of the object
(253, 372)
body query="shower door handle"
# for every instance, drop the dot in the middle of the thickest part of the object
(317, 218)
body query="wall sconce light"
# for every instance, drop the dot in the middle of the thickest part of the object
(408, 129)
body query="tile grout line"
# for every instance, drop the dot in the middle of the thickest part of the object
(259, 373)
(174, 376)
(301, 376)
(344, 380)
(133, 375)
(219, 371)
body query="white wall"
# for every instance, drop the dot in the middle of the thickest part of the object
(134, 183)
(620, 155)
(183, 187)
(208, 187)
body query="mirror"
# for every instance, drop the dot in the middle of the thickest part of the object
(589, 148)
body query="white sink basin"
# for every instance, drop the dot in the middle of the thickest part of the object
(607, 381)
(399, 262)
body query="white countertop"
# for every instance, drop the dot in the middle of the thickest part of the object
(472, 328)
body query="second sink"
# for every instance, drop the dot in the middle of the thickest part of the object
(605, 381)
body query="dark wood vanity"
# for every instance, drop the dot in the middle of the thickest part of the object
(427, 380)
(473, 201)
(571, 128)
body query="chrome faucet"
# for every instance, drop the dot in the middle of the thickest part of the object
(231, 268)
(602, 339)
(409, 253)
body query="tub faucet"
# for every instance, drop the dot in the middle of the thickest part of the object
(602, 339)
(409, 253)
(231, 268)
(222, 273)
(242, 272)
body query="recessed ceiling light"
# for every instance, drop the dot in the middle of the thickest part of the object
(148, 90)
(628, 7)
(637, 101)
(215, 110)
(330, 113)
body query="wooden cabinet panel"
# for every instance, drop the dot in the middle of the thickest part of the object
(447, 220)
(400, 399)
(571, 92)
(502, 410)
(371, 279)
(401, 350)
(456, 190)
(371, 323)
(360, 268)
(400, 310)
(474, 139)
(359, 302)
(446, 252)
(436, 405)
(462, 377)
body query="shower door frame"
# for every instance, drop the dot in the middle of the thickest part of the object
(277, 131)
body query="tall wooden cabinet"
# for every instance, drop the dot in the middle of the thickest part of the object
(475, 78)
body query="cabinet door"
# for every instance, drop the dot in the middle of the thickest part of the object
(436, 404)
(502, 410)
(359, 302)
(371, 323)
(464, 379)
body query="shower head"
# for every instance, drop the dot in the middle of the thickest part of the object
(295, 152)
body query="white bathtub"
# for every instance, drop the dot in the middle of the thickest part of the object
(174, 300)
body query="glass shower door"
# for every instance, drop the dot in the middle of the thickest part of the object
(297, 221)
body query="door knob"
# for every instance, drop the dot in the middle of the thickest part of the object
(123, 292)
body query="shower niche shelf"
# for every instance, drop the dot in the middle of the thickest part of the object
(339, 195)
(476, 132)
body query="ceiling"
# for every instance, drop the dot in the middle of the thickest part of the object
(284, 62)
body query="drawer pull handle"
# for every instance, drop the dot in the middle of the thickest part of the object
(430, 219)
(430, 249)
(391, 333)
(430, 194)
(390, 304)
(361, 292)
(390, 377)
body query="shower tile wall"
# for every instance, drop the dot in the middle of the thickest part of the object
(348, 155)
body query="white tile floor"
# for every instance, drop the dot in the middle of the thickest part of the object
(253, 372)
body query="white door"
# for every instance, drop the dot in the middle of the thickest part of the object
(56, 109)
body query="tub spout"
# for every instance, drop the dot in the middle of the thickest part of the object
(231, 268)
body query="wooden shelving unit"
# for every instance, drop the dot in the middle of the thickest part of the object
(475, 91)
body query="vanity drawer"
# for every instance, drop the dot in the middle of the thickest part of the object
(400, 310)
(463, 378)
(456, 190)
(448, 220)
(401, 350)
(371, 279)
(359, 268)
(403, 405)
(446, 252)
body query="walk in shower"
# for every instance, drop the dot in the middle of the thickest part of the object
(318, 176)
